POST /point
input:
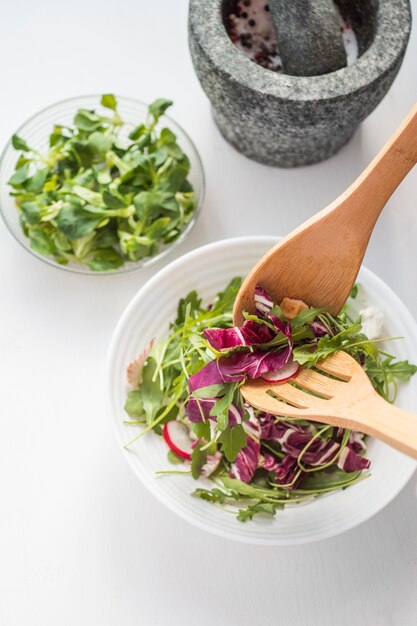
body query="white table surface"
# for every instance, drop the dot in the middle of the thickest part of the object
(81, 541)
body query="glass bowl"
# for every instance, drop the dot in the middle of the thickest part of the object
(36, 130)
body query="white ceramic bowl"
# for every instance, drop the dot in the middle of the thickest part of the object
(207, 269)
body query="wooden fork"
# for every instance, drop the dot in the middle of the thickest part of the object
(347, 401)
(319, 261)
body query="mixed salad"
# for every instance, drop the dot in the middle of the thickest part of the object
(102, 195)
(186, 388)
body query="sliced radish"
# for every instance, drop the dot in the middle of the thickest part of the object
(177, 437)
(285, 373)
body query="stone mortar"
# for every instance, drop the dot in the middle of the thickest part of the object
(285, 120)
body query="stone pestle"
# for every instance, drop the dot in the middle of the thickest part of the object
(309, 37)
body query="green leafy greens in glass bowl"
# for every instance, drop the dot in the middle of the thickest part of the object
(100, 184)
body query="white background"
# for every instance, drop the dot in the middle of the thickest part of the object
(81, 541)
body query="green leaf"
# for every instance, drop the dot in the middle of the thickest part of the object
(220, 410)
(202, 430)
(35, 183)
(138, 132)
(345, 340)
(211, 495)
(401, 370)
(248, 490)
(150, 203)
(152, 394)
(104, 260)
(92, 197)
(166, 137)
(109, 101)
(100, 144)
(87, 120)
(82, 153)
(158, 228)
(305, 317)
(19, 176)
(134, 403)
(266, 508)
(211, 391)
(32, 212)
(174, 458)
(198, 458)
(232, 440)
(158, 107)
(225, 299)
(192, 301)
(75, 222)
(20, 144)
(41, 242)
(113, 202)
(354, 291)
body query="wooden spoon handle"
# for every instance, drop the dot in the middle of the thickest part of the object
(367, 196)
(396, 427)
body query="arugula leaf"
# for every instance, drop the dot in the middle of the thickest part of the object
(199, 457)
(220, 409)
(267, 508)
(384, 374)
(192, 301)
(202, 430)
(151, 392)
(232, 440)
(214, 495)
(348, 339)
(211, 391)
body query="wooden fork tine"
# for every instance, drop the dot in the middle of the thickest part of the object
(256, 394)
(338, 364)
(300, 399)
(317, 383)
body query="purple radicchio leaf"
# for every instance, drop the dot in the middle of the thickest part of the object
(349, 461)
(237, 366)
(286, 472)
(212, 463)
(319, 329)
(247, 335)
(263, 301)
(247, 459)
(293, 439)
(356, 442)
(197, 409)
(212, 374)
(264, 304)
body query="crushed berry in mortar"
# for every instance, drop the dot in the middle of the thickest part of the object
(251, 29)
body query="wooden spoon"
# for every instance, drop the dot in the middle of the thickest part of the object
(319, 261)
(349, 402)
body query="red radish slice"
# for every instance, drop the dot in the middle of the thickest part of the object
(285, 373)
(177, 437)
